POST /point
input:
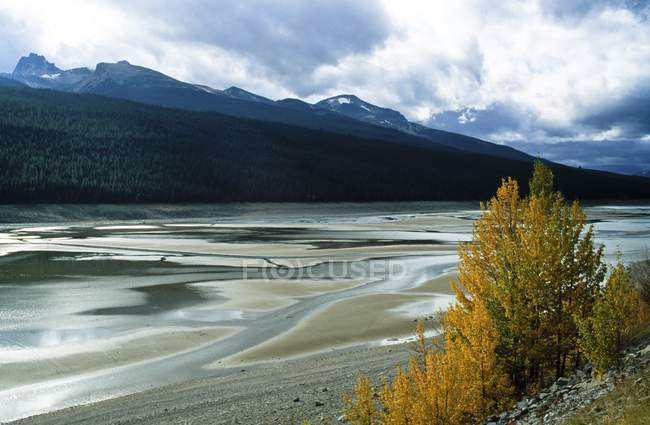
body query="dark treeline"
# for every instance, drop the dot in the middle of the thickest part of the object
(59, 147)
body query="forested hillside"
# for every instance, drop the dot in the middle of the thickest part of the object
(123, 80)
(61, 147)
(6, 82)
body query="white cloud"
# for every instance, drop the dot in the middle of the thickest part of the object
(468, 54)
(538, 70)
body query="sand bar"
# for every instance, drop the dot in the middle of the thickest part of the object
(109, 354)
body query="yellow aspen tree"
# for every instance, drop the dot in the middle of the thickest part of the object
(429, 392)
(533, 265)
(471, 340)
(445, 388)
(606, 332)
(362, 410)
(541, 184)
(530, 276)
(561, 270)
(488, 273)
(461, 384)
(398, 398)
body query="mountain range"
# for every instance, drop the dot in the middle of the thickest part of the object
(124, 133)
(346, 114)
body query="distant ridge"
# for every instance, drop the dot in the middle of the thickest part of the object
(62, 147)
(242, 94)
(344, 114)
(350, 105)
(8, 82)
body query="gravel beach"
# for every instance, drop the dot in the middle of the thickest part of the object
(286, 392)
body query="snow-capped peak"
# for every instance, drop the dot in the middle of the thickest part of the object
(353, 107)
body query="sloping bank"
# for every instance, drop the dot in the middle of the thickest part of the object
(620, 396)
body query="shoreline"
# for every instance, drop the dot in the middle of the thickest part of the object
(267, 390)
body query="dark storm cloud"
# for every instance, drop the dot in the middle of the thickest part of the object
(497, 118)
(289, 37)
(628, 117)
(622, 156)
(499, 122)
(630, 114)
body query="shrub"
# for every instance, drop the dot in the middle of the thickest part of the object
(614, 320)
(362, 410)
(462, 383)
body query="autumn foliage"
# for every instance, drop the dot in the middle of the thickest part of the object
(535, 267)
(461, 383)
(533, 304)
(606, 332)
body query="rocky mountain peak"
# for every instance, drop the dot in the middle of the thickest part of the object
(242, 94)
(354, 107)
(35, 65)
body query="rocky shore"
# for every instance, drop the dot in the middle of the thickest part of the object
(561, 401)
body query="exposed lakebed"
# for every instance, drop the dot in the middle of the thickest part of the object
(96, 308)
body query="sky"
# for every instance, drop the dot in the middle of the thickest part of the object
(568, 80)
